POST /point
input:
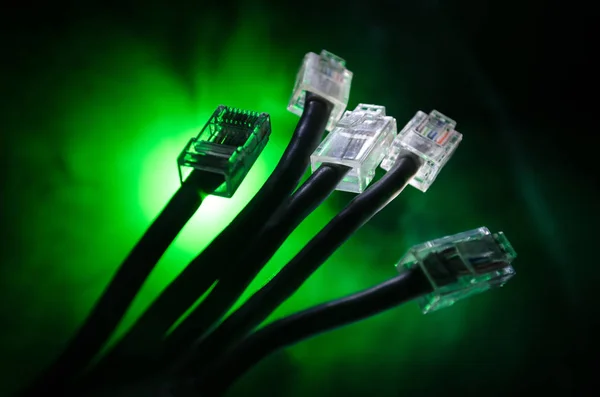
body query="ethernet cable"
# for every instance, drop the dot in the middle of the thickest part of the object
(222, 154)
(260, 305)
(437, 273)
(231, 286)
(314, 190)
(460, 266)
(353, 150)
(431, 137)
(321, 92)
(407, 164)
(139, 343)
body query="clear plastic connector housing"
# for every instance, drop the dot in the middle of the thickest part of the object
(431, 137)
(360, 140)
(227, 145)
(324, 75)
(461, 265)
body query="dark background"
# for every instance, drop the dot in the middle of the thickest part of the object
(517, 75)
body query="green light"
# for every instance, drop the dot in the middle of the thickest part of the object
(119, 118)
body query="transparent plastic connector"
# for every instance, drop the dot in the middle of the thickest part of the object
(227, 145)
(360, 140)
(324, 75)
(461, 265)
(431, 137)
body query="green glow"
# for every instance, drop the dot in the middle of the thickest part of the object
(97, 134)
(124, 121)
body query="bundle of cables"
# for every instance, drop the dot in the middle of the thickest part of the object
(207, 351)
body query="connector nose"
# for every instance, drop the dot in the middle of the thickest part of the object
(375, 110)
(436, 127)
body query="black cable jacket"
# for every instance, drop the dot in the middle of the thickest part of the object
(207, 267)
(147, 388)
(362, 208)
(229, 289)
(308, 323)
(125, 284)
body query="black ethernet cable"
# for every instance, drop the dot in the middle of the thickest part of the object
(279, 334)
(307, 197)
(290, 330)
(346, 146)
(241, 132)
(265, 301)
(125, 284)
(260, 305)
(135, 350)
(438, 273)
(228, 290)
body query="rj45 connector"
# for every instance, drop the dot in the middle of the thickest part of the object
(433, 138)
(360, 140)
(461, 265)
(326, 76)
(227, 145)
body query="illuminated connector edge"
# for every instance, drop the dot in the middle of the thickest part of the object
(326, 76)
(227, 145)
(461, 265)
(360, 140)
(433, 138)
